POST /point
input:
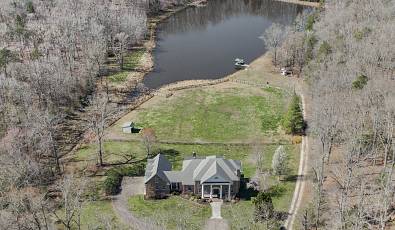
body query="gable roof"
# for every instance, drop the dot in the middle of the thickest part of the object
(156, 167)
(206, 170)
(217, 166)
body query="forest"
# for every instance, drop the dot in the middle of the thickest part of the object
(52, 54)
(345, 52)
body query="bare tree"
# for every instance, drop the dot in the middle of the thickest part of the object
(72, 189)
(99, 113)
(273, 37)
(148, 139)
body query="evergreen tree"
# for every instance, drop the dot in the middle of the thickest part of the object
(294, 123)
(264, 209)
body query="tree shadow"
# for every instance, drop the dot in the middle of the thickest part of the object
(290, 178)
(136, 130)
(171, 154)
(246, 193)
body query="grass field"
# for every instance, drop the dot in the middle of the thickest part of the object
(174, 212)
(224, 115)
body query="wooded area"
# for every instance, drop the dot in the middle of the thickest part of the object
(52, 55)
(345, 51)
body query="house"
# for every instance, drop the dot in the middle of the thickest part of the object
(208, 177)
(127, 127)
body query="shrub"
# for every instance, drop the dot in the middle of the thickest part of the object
(296, 140)
(360, 82)
(324, 49)
(112, 183)
(264, 209)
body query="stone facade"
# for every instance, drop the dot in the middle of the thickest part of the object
(156, 188)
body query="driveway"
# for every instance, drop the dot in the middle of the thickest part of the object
(130, 186)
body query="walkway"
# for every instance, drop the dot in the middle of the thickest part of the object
(216, 222)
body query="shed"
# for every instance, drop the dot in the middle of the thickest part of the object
(128, 127)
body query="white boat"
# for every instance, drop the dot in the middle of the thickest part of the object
(240, 64)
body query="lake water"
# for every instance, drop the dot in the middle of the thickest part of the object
(202, 42)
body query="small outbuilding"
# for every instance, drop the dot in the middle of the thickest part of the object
(128, 127)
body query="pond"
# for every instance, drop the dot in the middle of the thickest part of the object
(202, 42)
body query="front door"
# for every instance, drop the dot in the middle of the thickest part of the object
(216, 192)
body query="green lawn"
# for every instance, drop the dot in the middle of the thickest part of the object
(113, 151)
(281, 203)
(228, 115)
(174, 212)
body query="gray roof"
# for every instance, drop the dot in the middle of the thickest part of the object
(157, 166)
(128, 124)
(206, 170)
(213, 166)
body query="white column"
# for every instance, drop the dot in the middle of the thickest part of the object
(220, 192)
(211, 191)
(202, 191)
(229, 192)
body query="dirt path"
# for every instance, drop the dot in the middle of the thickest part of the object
(301, 181)
(130, 186)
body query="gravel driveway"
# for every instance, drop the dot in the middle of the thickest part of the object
(130, 186)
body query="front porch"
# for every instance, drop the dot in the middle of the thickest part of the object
(216, 190)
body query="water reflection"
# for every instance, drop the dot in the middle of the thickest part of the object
(202, 42)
